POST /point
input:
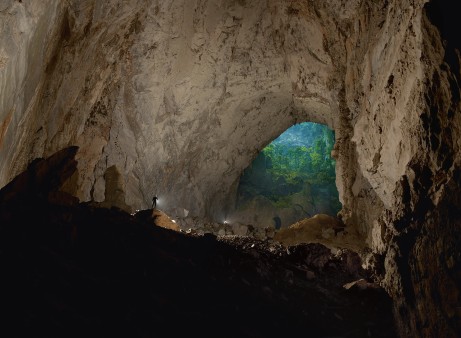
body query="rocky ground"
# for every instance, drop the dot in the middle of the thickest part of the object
(73, 269)
(200, 226)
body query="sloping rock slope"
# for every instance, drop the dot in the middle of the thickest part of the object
(70, 269)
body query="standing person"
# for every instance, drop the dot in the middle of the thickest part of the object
(278, 222)
(154, 202)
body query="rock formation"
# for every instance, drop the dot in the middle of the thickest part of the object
(143, 81)
(181, 95)
(323, 229)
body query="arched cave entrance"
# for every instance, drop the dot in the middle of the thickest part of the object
(292, 178)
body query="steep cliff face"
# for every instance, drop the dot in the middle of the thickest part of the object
(402, 93)
(181, 95)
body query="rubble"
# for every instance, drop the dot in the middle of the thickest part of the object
(202, 226)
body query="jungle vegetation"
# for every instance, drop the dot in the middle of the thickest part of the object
(298, 161)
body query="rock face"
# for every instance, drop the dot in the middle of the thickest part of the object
(180, 96)
(158, 218)
(43, 178)
(200, 87)
(320, 229)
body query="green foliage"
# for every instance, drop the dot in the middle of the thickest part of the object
(289, 159)
(298, 157)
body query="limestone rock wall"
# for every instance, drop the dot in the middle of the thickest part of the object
(28, 36)
(180, 96)
(402, 104)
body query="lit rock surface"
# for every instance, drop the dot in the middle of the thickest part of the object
(181, 95)
(323, 229)
(163, 220)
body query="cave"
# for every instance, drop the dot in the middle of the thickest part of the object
(105, 104)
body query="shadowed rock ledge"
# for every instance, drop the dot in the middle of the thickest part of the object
(76, 270)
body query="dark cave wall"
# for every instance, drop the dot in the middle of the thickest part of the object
(399, 153)
(428, 220)
(406, 127)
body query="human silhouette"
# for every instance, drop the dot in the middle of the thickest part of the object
(154, 202)
(278, 222)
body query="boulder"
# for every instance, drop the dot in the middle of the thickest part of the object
(43, 178)
(239, 229)
(158, 218)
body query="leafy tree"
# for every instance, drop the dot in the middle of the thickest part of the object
(300, 155)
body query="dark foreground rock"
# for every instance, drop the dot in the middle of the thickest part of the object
(73, 270)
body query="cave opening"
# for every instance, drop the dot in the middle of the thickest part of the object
(292, 178)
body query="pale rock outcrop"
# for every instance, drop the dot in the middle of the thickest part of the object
(323, 229)
(114, 190)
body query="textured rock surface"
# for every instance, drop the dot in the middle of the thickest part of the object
(158, 218)
(404, 110)
(181, 95)
(145, 86)
(323, 229)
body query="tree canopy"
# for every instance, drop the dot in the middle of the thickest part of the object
(298, 160)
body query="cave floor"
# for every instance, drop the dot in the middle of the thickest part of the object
(83, 271)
